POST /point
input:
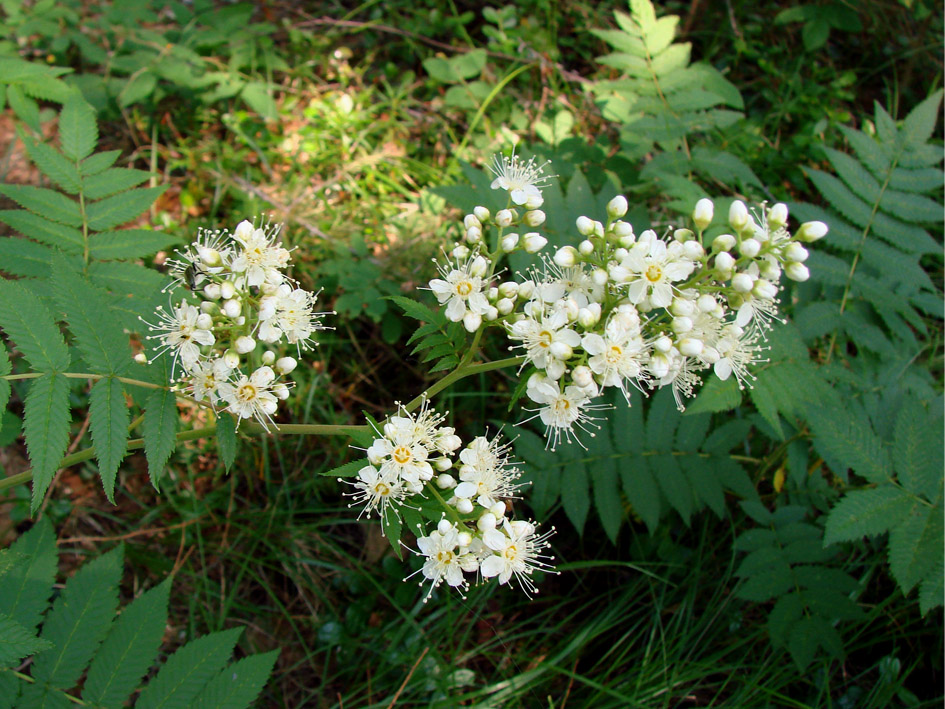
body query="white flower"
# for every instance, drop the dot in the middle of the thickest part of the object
(251, 396)
(561, 410)
(377, 489)
(673, 368)
(206, 377)
(486, 473)
(617, 356)
(261, 258)
(523, 181)
(462, 288)
(652, 268)
(737, 352)
(182, 333)
(518, 551)
(545, 338)
(207, 254)
(290, 312)
(405, 446)
(443, 558)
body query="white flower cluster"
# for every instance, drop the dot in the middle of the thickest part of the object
(245, 299)
(413, 452)
(621, 309)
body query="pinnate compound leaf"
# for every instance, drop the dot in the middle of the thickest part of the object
(16, 642)
(78, 133)
(46, 427)
(103, 345)
(607, 497)
(188, 670)
(417, 310)
(33, 330)
(716, 395)
(917, 450)
(78, 621)
(129, 243)
(916, 545)
(121, 208)
(237, 685)
(45, 202)
(111, 181)
(226, 439)
(160, 429)
(129, 649)
(919, 125)
(26, 587)
(109, 425)
(23, 257)
(931, 592)
(53, 164)
(866, 513)
(67, 238)
(575, 494)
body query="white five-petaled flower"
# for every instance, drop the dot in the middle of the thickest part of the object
(651, 267)
(206, 378)
(522, 180)
(377, 489)
(207, 254)
(290, 312)
(443, 557)
(561, 410)
(461, 288)
(183, 333)
(261, 257)
(518, 552)
(737, 352)
(545, 337)
(400, 453)
(252, 396)
(617, 356)
(485, 472)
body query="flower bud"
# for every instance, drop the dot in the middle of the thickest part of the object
(227, 290)
(693, 250)
(232, 308)
(231, 359)
(491, 314)
(582, 376)
(521, 528)
(742, 282)
(141, 358)
(623, 230)
(445, 481)
(498, 509)
(208, 307)
(795, 252)
(589, 316)
(586, 247)
(777, 216)
(504, 217)
(509, 242)
(738, 215)
(796, 272)
(471, 220)
(284, 365)
(281, 391)
(478, 266)
(209, 257)
(505, 306)
(464, 506)
(492, 295)
(723, 242)
(244, 344)
(599, 276)
(659, 365)
(555, 369)
(561, 350)
(212, 291)
(486, 522)
(702, 214)
(585, 226)
(473, 235)
(268, 357)
(472, 321)
(691, 347)
(444, 526)
(534, 218)
(204, 321)
(724, 262)
(811, 231)
(460, 252)
(526, 289)
(482, 214)
(764, 289)
(464, 539)
(534, 201)
(663, 344)
(706, 303)
(710, 355)
(750, 248)
(617, 207)
(566, 256)
(769, 268)
(681, 324)
(534, 242)
(244, 230)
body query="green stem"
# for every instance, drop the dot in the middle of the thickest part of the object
(85, 375)
(27, 678)
(461, 373)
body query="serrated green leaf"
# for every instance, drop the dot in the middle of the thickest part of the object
(129, 649)
(917, 450)
(671, 481)
(416, 310)
(24, 107)
(919, 125)
(78, 133)
(160, 429)
(129, 243)
(764, 400)
(121, 208)
(103, 345)
(112, 181)
(25, 591)
(46, 427)
(575, 494)
(186, 672)
(865, 513)
(347, 470)
(803, 639)
(36, 227)
(787, 611)
(931, 592)
(716, 395)
(705, 484)
(774, 581)
(128, 279)
(45, 202)
(109, 425)
(607, 496)
(78, 621)
(23, 257)
(916, 545)
(53, 164)
(16, 642)
(94, 164)
(661, 420)
(853, 443)
(227, 441)
(237, 686)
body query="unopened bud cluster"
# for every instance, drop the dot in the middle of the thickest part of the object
(413, 453)
(246, 305)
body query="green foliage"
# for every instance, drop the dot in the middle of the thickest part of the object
(787, 560)
(80, 632)
(661, 462)
(22, 82)
(75, 268)
(437, 338)
(819, 20)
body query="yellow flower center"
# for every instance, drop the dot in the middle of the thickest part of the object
(653, 273)
(382, 489)
(464, 288)
(544, 339)
(510, 552)
(614, 353)
(247, 392)
(444, 557)
(401, 455)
